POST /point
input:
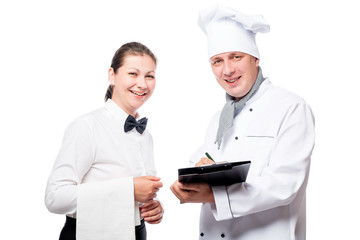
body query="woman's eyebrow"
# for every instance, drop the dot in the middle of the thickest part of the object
(133, 69)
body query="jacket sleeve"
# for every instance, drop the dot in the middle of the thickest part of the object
(282, 179)
(74, 160)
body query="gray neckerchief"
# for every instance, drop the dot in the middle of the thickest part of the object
(228, 111)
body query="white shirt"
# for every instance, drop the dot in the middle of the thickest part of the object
(96, 148)
(275, 131)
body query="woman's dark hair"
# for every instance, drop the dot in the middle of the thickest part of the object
(131, 48)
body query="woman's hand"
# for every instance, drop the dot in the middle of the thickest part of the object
(193, 192)
(152, 212)
(145, 188)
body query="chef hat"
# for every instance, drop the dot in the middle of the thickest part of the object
(228, 30)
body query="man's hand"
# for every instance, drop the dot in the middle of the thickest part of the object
(204, 161)
(145, 188)
(193, 192)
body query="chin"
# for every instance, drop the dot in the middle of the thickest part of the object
(138, 104)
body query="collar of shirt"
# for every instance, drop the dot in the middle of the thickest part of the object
(117, 112)
(265, 85)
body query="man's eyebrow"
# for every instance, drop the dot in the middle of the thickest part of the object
(214, 59)
(234, 54)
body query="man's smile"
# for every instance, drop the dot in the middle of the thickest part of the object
(232, 80)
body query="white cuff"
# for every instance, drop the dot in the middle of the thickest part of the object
(221, 209)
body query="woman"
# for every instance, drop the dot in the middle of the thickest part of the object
(104, 176)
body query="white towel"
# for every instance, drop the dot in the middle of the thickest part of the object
(106, 210)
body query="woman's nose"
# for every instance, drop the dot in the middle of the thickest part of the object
(141, 82)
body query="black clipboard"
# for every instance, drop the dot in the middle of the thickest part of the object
(217, 174)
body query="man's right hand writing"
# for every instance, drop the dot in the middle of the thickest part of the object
(146, 187)
(204, 161)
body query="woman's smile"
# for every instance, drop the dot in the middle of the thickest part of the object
(138, 93)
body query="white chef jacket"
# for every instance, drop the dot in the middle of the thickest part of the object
(96, 148)
(275, 131)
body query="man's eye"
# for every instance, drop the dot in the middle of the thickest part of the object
(150, 76)
(132, 74)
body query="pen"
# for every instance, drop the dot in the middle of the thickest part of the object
(209, 157)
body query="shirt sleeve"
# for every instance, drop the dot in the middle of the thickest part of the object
(74, 160)
(284, 177)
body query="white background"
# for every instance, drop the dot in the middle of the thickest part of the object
(54, 57)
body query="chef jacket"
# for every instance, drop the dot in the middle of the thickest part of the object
(95, 148)
(275, 131)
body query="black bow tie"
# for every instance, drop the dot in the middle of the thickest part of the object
(131, 123)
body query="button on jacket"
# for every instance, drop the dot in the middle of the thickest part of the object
(96, 148)
(275, 131)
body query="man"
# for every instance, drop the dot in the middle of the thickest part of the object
(267, 125)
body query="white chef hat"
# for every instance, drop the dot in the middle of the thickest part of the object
(228, 30)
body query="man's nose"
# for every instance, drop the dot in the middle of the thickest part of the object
(229, 68)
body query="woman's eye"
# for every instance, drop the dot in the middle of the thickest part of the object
(132, 74)
(150, 76)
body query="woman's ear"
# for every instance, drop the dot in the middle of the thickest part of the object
(111, 76)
